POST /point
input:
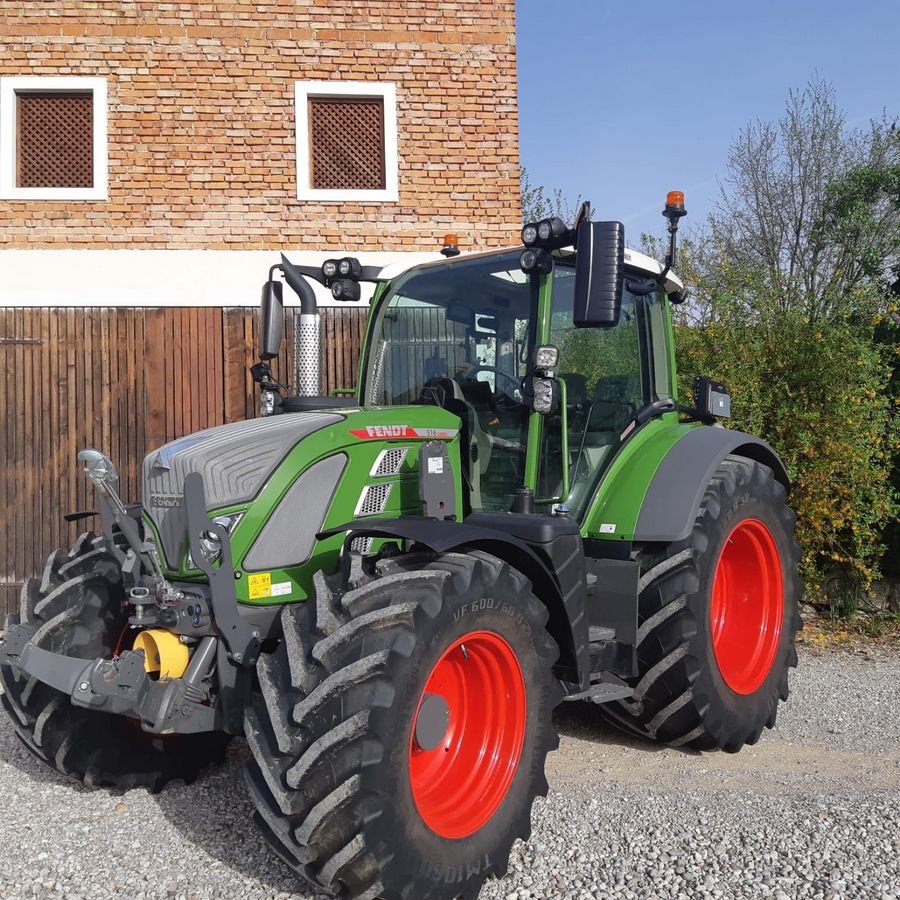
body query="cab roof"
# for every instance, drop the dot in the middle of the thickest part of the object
(633, 259)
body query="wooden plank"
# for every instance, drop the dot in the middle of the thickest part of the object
(154, 392)
(6, 505)
(19, 451)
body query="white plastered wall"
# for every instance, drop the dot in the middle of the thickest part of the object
(55, 278)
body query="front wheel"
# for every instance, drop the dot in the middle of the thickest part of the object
(402, 731)
(718, 614)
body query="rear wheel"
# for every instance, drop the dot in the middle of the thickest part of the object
(718, 614)
(78, 606)
(401, 734)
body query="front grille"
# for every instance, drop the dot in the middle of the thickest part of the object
(373, 499)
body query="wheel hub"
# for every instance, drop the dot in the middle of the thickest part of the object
(468, 734)
(431, 722)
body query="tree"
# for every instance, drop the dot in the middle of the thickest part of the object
(790, 284)
(538, 204)
(807, 202)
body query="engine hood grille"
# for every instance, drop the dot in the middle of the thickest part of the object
(235, 461)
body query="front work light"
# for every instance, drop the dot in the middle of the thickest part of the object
(345, 290)
(349, 267)
(546, 396)
(548, 233)
(329, 270)
(546, 356)
(536, 261)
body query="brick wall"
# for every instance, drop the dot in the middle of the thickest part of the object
(201, 120)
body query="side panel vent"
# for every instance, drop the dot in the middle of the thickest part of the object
(361, 545)
(373, 499)
(389, 462)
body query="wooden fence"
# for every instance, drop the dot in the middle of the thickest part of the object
(124, 381)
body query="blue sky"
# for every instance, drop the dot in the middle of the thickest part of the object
(621, 102)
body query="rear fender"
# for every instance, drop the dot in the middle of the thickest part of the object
(674, 495)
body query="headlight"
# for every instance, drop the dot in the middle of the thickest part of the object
(329, 269)
(344, 289)
(529, 235)
(536, 261)
(210, 545)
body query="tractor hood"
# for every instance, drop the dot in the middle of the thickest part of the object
(235, 461)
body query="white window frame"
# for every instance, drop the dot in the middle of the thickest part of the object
(40, 84)
(350, 90)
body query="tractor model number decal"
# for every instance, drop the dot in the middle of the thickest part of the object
(260, 586)
(380, 432)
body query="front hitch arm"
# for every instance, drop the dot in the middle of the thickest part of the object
(240, 637)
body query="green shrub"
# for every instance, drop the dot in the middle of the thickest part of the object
(817, 393)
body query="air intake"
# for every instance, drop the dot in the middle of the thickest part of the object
(373, 499)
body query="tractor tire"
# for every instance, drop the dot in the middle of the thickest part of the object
(402, 729)
(79, 607)
(704, 683)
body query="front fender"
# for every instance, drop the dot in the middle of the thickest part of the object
(556, 571)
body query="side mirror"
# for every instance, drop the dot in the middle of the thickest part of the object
(599, 274)
(271, 319)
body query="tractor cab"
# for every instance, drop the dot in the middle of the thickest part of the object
(545, 364)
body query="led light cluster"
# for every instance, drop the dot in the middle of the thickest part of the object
(342, 276)
(545, 396)
(539, 239)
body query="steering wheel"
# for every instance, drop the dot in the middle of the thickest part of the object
(516, 392)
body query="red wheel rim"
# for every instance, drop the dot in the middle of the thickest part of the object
(459, 785)
(747, 606)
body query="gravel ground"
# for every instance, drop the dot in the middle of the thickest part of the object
(813, 810)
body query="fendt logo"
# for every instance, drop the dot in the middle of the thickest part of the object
(384, 431)
(375, 432)
(165, 501)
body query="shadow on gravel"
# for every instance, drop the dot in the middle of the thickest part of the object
(215, 815)
(583, 721)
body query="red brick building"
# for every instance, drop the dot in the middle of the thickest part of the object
(201, 115)
(155, 156)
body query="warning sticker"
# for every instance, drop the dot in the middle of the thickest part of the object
(260, 585)
(608, 528)
(282, 589)
(435, 465)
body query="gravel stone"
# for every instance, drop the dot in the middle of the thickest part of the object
(812, 811)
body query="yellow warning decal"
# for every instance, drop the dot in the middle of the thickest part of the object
(260, 585)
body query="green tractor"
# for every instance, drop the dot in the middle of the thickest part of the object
(389, 594)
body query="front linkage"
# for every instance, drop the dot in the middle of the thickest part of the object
(208, 617)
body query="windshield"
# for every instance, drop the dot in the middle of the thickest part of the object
(460, 335)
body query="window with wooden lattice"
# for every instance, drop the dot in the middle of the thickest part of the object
(346, 141)
(53, 138)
